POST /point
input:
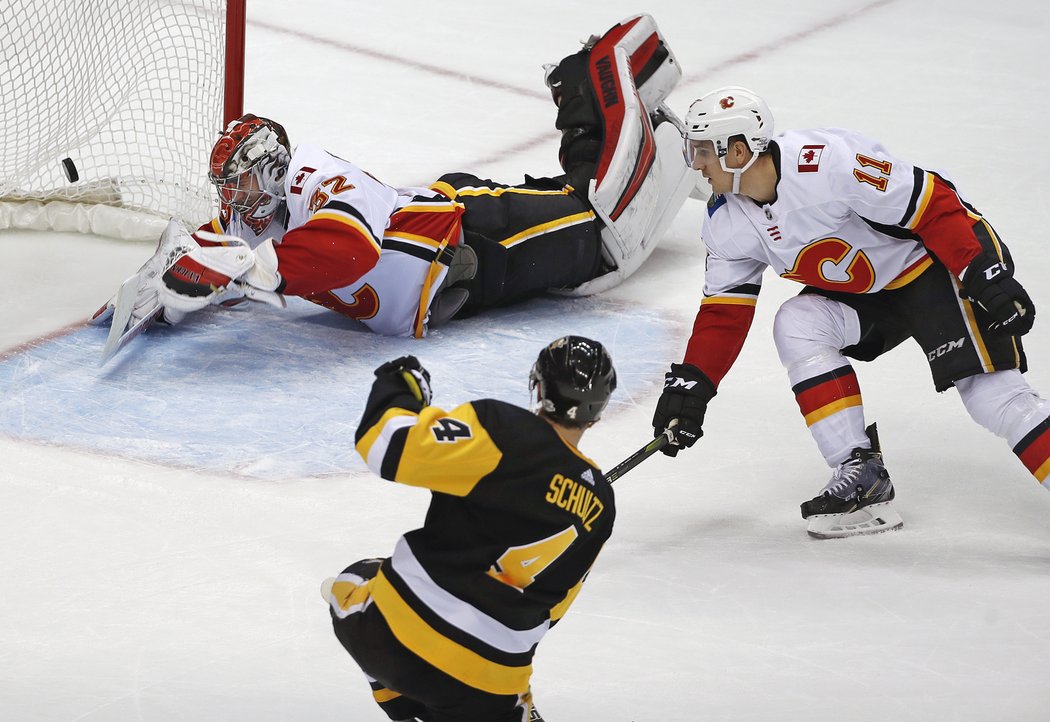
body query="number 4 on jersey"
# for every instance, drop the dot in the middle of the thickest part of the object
(448, 430)
(519, 566)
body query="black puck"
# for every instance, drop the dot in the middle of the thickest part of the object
(70, 169)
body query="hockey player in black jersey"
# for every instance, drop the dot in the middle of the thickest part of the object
(446, 627)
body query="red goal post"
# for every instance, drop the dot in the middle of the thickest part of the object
(109, 111)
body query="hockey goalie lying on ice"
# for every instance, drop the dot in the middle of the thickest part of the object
(303, 222)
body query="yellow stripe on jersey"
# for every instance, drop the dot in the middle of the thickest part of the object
(909, 275)
(449, 452)
(447, 190)
(433, 272)
(558, 610)
(452, 658)
(924, 201)
(349, 594)
(347, 220)
(439, 205)
(833, 408)
(542, 228)
(978, 337)
(444, 189)
(729, 301)
(384, 695)
(975, 334)
(993, 236)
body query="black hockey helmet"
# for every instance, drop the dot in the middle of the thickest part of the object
(573, 379)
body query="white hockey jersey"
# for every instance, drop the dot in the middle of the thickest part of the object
(848, 216)
(355, 245)
(839, 222)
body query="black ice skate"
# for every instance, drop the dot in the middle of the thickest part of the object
(857, 499)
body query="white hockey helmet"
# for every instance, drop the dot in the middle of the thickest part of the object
(724, 114)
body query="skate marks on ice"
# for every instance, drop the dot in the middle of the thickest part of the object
(273, 395)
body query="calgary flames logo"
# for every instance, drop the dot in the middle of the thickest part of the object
(727, 102)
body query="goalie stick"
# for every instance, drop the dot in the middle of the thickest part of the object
(639, 456)
(119, 315)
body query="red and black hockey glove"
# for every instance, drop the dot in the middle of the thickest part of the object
(990, 283)
(682, 406)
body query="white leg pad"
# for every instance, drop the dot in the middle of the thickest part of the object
(644, 32)
(637, 201)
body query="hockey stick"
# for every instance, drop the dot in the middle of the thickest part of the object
(141, 325)
(123, 306)
(639, 456)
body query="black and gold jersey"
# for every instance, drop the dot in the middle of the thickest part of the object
(517, 517)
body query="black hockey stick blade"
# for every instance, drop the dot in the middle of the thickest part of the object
(639, 456)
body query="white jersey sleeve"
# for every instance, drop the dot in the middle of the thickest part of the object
(730, 268)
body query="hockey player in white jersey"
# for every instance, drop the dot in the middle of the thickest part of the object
(886, 251)
(303, 222)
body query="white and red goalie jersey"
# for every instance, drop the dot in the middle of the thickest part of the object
(849, 217)
(355, 245)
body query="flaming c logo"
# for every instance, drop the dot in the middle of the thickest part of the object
(727, 102)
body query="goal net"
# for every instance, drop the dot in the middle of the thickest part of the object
(109, 110)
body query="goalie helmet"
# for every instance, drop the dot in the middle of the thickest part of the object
(723, 114)
(573, 379)
(248, 166)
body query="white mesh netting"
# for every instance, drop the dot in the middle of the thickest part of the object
(130, 92)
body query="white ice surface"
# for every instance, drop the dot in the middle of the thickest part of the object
(154, 591)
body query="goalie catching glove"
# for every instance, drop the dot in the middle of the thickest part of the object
(682, 406)
(990, 283)
(220, 276)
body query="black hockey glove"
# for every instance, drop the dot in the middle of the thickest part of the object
(990, 283)
(682, 406)
(409, 372)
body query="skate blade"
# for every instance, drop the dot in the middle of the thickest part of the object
(873, 519)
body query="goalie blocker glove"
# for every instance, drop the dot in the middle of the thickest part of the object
(682, 405)
(220, 276)
(990, 283)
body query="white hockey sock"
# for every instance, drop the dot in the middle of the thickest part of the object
(1006, 405)
(809, 332)
(1003, 403)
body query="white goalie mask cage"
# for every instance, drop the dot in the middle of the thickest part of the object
(248, 166)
